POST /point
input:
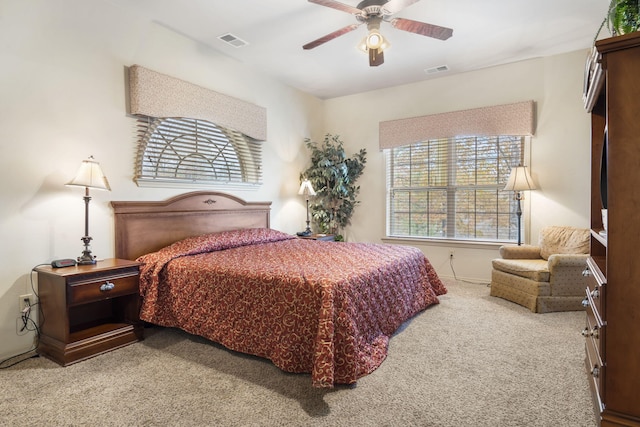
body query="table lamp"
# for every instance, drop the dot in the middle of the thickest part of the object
(89, 176)
(307, 190)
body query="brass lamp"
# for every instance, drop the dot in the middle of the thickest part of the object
(519, 181)
(306, 189)
(89, 175)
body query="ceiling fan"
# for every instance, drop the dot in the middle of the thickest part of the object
(372, 13)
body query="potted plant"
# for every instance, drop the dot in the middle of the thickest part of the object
(623, 17)
(333, 176)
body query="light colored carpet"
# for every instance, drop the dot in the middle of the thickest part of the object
(472, 360)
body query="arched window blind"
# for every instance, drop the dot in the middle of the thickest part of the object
(180, 150)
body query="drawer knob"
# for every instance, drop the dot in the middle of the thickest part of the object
(586, 272)
(595, 293)
(107, 286)
(595, 371)
(585, 332)
(594, 332)
(585, 302)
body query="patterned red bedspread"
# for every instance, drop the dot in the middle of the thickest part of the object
(309, 306)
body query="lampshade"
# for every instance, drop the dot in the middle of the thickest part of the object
(519, 180)
(90, 175)
(306, 189)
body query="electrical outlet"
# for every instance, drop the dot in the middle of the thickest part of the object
(25, 301)
(450, 253)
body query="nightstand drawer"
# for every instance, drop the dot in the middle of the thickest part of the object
(102, 288)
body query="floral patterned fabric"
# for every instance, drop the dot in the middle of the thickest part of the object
(323, 308)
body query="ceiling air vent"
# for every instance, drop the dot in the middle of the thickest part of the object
(439, 69)
(232, 40)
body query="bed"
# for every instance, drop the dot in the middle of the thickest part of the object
(213, 267)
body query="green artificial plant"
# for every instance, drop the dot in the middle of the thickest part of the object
(624, 16)
(333, 176)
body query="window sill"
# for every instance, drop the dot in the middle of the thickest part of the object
(448, 243)
(222, 186)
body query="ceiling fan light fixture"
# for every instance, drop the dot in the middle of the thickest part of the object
(385, 45)
(363, 45)
(374, 39)
(373, 13)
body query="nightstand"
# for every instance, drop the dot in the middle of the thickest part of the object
(87, 310)
(325, 237)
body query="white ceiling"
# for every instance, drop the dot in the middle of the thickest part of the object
(485, 33)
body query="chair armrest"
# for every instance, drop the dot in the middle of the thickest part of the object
(567, 260)
(566, 274)
(520, 252)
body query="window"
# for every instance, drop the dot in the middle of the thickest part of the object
(181, 150)
(452, 188)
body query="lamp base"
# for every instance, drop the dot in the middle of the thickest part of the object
(519, 213)
(307, 231)
(86, 258)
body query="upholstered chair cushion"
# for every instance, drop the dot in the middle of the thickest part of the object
(520, 252)
(563, 240)
(534, 269)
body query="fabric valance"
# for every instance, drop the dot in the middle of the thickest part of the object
(508, 119)
(158, 95)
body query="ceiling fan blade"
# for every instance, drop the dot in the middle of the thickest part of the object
(395, 6)
(429, 30)
(337, 5)
(330, 36)
(376, 57)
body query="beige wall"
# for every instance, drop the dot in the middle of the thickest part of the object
(559, 156)
(63, 99)
(62, 91)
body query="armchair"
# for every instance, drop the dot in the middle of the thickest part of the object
(547, 277)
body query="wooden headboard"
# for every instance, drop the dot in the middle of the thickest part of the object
(143, 227)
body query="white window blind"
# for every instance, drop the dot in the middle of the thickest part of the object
(451, 188)
(181, 150)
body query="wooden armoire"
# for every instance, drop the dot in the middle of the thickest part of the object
(612, 300)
